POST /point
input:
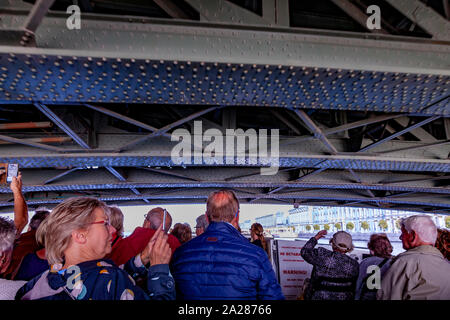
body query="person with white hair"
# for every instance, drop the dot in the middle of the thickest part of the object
(420, 273)
(8, 288)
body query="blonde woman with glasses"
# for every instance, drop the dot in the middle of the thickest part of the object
(77, 236)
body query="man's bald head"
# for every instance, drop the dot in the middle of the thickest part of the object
(155, 218)
(222, 206)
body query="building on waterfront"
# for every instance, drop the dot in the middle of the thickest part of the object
(276, 224)
(308, 219)
(268, 221)
(361, 220)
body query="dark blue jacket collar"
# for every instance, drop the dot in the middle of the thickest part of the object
(223, 227)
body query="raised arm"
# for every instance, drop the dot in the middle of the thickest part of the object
(311, 255)
(20, 206)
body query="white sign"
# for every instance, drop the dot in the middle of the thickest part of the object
(293, 269)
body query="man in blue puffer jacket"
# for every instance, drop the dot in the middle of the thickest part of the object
(221, 263)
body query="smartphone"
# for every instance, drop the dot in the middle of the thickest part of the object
(164, 220)
(13, 170)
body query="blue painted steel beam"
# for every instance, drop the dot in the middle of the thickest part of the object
(165, 129)
(95, 80)
(338, 162)
(62, 175)
(318, 133)
(115, 173)
(224, 184)
(121, 178)
(125, 119)
(165, 172)
(52, 116)
(296, 180)
(201, 198)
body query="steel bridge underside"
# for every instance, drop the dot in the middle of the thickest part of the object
(363, 119)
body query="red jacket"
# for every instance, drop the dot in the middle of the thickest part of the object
(23, 245)
(123, 249)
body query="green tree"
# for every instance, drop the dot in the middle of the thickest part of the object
(350, 226)
(383, 224)
(316, 227)
(326, 227)
(397, 224)
(447, 222)
(365, 225)
(338, 225)
(308, 227)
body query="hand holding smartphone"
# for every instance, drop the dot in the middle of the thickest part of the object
(13, 170)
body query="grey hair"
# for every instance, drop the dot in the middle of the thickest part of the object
(7, 234)
(423, 226)
(37, 218)
(202, 222)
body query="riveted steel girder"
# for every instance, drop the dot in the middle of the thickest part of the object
(309, 154)
(115, 60)
(43, 180)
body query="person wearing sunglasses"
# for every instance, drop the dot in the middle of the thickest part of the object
(77, 235)
(221, 263)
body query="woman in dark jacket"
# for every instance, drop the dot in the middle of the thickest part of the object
(334, 274)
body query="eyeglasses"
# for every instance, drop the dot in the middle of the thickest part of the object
(107, 223)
